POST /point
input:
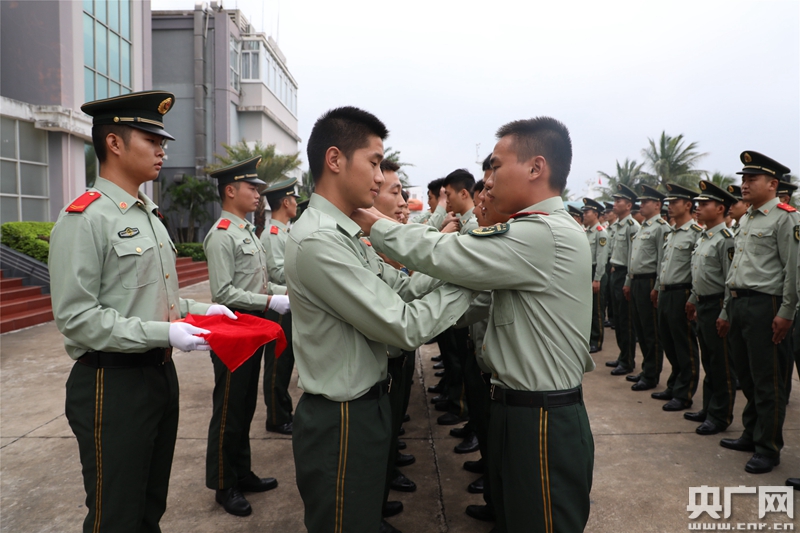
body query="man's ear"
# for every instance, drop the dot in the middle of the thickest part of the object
(114, 143)
(538, 167)
(335, 159)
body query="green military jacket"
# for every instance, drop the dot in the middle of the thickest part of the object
(765, 259)
(422, 218)
(467, 222)
(599, 246)
(676, 265)
(711, 262)
(274, 240)
(437, 217)
(112, 274)
(647, 249)
(537, 338)
(347, 305)
(624, 230)
(237, 265)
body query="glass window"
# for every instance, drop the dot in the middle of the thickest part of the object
(23, 172)
(33, 179)
(113, 89)
(106, 48)
(100, 10)
(101, 39)
(32, 143)
(113, 56)
(88, 6)
(125, 18)
(9, 211)
(102, 87)
(8, 136)
(126, 63)
(88, 40)
(8, 177)
(246, 66)
(88, 84)
(113, 15)
(35, 209)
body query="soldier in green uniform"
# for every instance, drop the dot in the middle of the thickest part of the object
(541, 452)
(738, 209)
(785, 192)
(348, 305)
(677, 332)
(764, 299)
(708, 305)
(237, 273)
(115, 299)
(642, 283)
(576, 214)
(624, 230)
(599, 245)
(609, 305)
(282, 199)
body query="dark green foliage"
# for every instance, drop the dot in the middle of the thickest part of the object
(191, 249)
(29, 238)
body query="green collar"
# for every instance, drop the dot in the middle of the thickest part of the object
(343, 221)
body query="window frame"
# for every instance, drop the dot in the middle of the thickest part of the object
(18, 162)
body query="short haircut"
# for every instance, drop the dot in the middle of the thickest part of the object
(487, 163)
(435, 185)
(546, 137)
(459, 180)
(405, 194)
(478, 186)
(99, 134)
(388, 164)
(221, 188)
(275, 202)
(347, 128)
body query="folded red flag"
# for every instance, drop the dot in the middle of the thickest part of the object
(235, 341)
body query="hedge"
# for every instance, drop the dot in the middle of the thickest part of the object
(29, 238)
(191, 249)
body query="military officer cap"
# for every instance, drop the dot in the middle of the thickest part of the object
(625, 192)
(650, 193)
(736, 191)
(784, 187)
(635, 208)
(574, 211)
(677, 191)
(282, 189)
(609, 206)
(755, 163)
(589, 203)
(143, 110)
(237, 172)
(709, 191)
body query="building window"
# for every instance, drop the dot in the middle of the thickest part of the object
(24, 193)
(234, 52)
(106, 48)
(250, 60)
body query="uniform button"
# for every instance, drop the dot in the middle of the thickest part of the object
(172, 306)
(740, 249)
(167, 276)
(161, 244)
(484, 347)
(138, 250)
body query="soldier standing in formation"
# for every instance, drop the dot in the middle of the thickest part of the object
(599, 245)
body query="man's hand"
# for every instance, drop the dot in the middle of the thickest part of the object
(723, 327)
(595, 287)
(279, 303)
(184, 337)
(626, 291)
(367, 217)
(780, 328)
(217, 309)
(691, 313)
(450, 227)
(442, 198)
(451, 217)
(654, 297)
(389, 261)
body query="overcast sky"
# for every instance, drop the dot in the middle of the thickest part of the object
(444, 76)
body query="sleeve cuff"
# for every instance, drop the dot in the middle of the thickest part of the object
(786, 313)
(157, 334)
(377, 231)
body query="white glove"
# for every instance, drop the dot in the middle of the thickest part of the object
(183, 336)
(279, 303)
(217, 309)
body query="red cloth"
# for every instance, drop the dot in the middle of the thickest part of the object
(235, 341)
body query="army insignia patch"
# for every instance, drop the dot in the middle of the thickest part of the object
(602, 241)
(128, 232)
(247, 240)
(697, 228)
(747, 158)
(703, 185)
(730, 254)
(164, 106)
(497, 229)
(797, 233)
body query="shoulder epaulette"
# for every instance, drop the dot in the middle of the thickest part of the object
(497, 229)
(224, 224)
(787, 208)
(82, 202)
(526, 213)
(661, 221)
(697, 228)
(600, 228)
(630, 222)
(273, 230)
(727, 233)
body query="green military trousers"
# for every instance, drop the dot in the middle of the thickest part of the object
(540, 465)
(396, 366)
(278, 374)
(598, 313)
(645, 320)
(478, 400)
(453, 347)
(623, 321)
(340, 453)
(719, 384)
(761, 367)
(233, 406)
(126, 423)
(680, 343)
(607, 298)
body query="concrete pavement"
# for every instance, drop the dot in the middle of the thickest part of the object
(645, 461)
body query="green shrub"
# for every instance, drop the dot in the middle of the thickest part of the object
(191, 249)
(29, 238)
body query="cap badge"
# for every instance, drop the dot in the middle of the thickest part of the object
(730, 188)
(747, 158)
(669, 187)
(703, 185)
(164, 106)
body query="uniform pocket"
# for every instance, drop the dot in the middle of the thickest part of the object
(761, 242)
(138, 262)
(502, 308)
(247, 259)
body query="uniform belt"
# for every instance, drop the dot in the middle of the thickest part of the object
(710, 297)
(518, 398)
(154, 357)
(644, 276)
(377, 390)
(618, 268)
(746, 293)
(676, 287)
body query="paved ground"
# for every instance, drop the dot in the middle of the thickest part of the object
(645, 461)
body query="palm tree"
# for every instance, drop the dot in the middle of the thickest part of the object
(628, 173)
(720, 180)
(670, 161)
(394, 156)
